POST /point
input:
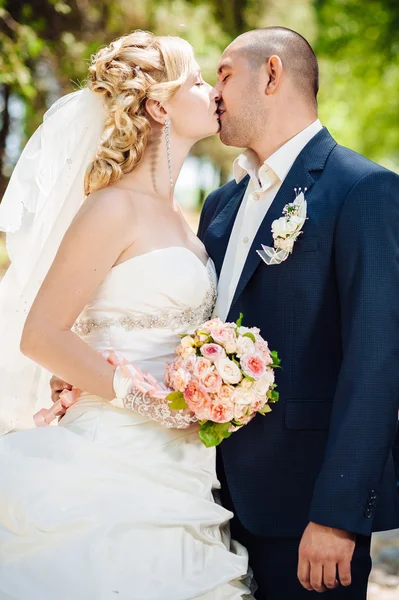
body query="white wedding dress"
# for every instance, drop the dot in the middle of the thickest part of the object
(110, 505)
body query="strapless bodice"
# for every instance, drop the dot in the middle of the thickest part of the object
(146, 302)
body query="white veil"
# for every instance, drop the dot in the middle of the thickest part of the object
(45, 192)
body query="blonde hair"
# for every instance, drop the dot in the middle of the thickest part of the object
(132, 69)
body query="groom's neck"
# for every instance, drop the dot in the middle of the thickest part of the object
(281, 128)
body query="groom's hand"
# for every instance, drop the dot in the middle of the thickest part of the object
(57, 386)
(322, 552)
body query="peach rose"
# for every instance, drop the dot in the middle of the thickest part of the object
(202, 366)
(197, 399)
(189, 351)
(225, 392)
(253, 365)
(212, 351)
(180, 379)
(189, 363)
(222, 411)
(211, 382)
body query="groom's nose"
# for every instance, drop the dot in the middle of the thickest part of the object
(216, 93)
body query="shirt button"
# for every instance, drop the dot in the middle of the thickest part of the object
(256, 196)
(245, 240)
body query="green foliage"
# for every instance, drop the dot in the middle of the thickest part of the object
(176, 401)
(359, 53)
(212, 434)
(45, 46)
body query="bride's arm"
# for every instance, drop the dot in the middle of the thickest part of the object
(100, 232)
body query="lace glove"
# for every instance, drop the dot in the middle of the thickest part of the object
(143, 394)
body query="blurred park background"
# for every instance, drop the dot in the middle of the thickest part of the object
(45, 46)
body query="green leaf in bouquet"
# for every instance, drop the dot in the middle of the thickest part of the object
(250, 336)
(235, 360)
(176, 401)
(273, 395)
(183, 335)
(276, 360)
(212, 434)
(265, 409)
(239, 320)
(248, 377)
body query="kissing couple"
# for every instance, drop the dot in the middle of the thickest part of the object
(122, 499)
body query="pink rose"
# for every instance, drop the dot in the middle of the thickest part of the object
(257, 404)
(209, 325)
(212, 351)
(202, 366)
(222, 411)
(262, 347)
(228, 370)
(241, 411)
(224, 335)
(253, 365)
(211, 382)
(180, 379)
(197, 399)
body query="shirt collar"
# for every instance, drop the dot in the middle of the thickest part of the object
(280, 161)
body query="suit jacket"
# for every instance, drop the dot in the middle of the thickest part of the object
(324, 453)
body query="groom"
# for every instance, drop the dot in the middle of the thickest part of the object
(309, 482)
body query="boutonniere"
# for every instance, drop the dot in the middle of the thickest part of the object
(286, 230)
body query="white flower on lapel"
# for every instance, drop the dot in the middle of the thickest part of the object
(286, 230)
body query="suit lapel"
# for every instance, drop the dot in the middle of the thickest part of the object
(311, 159)
(219, 231)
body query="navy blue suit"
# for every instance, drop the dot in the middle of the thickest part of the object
(331, 310)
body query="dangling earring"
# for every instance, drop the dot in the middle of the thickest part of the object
(168, 151)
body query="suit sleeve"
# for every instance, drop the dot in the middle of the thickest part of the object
(365, 407)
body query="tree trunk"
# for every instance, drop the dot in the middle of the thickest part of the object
(5, 128)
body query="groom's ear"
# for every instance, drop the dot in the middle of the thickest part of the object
(274, 69)
(156, 111)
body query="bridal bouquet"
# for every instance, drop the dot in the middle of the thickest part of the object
(224, 373)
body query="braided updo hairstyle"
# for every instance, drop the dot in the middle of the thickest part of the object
(132, 69)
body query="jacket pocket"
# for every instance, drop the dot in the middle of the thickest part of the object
(307, 414)
(306, 244)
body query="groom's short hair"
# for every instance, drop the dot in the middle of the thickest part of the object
(294, 50)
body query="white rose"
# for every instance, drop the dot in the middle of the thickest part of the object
(187, 341)
(284, 227)
(241, 330)
(230, 347)
(262, 385)
(245, 346)
(228, 370)
(242, 396)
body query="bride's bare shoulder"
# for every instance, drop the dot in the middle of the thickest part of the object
(110, 203)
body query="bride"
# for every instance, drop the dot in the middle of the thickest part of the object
(115, 502)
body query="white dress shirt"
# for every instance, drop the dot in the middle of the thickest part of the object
(265, 182)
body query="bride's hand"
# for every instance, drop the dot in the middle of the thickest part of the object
(57, 386)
